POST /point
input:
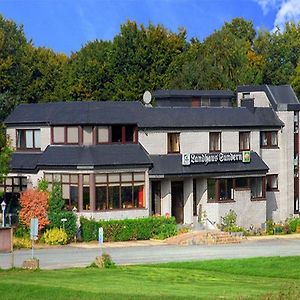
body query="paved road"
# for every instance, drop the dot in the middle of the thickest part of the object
(56, 258)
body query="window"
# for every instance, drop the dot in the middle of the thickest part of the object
(219, 189)
(28, 139)
(173, 143)
(72, 135)
(272, 182)
(123, 134)
(247, 95)
(69, 186)
(269, 139)
(244, 142)
(257, 187)
(58, 134)
(215, 142)
(117, 191)
(242, 183)
(87, 135)
(102, 134)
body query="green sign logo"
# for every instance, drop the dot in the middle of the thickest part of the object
(246, 157)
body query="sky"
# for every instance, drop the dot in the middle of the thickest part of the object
(67, 25)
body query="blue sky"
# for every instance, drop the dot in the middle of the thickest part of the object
(66, 25)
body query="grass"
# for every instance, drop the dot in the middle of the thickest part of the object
(255, 278)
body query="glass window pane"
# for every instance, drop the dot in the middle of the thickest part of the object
(114, 197)
(211, 191)
(74, 178)
(37, 138)
(8, 181)
(86, 179)
(73, 196)
(57, 177)
(58, 134)
(274, 138)
(65, 178)
(72, 135)
(86, 198)
(126, 196)
(256, 187)
(88, 135)
(65, 191)
(16, 181)
(116, 133)
(48, 177)
(129, 132)
(173, 143)
(139, 176)
(29, 139)
(263, 139)
(138, 196)
(103, 134)
(241, 182)
(126, 177)
(21, 139)
(101, 202)
(101, 178)
(24, 181)
(274, 182)
(214, 141)
(114, 177)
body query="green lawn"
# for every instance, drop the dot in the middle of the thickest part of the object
(253, 278)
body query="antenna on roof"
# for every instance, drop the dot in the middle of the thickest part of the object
(147, 97)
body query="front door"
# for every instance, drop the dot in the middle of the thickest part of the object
(177, 200)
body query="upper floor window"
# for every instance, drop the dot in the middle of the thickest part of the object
(87, 135)
(215, 142)
(173, 143)
(272, 182)
(65, 135)
(28, 139)
(123, 134)
(247, 95)
(268, 139)
(102, 134)
(244, 141)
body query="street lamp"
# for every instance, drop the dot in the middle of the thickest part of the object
(3, 206)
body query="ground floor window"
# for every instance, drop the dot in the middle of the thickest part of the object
(221, 189)
(101, 191)
(10, 193)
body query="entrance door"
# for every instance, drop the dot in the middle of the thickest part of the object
(177, 200)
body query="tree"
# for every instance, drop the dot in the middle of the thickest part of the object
(140, 57)
(34, 204)
(5, 154)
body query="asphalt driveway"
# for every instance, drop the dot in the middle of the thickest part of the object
(152, 252)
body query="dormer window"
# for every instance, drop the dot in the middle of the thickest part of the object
(28, 139)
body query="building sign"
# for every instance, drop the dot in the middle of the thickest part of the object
(206, 158)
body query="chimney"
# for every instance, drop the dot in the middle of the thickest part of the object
(248, 103)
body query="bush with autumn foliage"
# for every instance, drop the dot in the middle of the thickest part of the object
(34, 204)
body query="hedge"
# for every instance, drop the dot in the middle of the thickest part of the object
(128, 229)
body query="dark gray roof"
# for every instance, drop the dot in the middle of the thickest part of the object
(165, 94)
(97, 112)
(118, 112)
(24, 162)
(105, 156)
(209, 117)
(281, 97)
(171, 165)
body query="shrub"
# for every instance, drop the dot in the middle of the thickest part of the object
(270, 227)
(55, 236)
(34, 204)
(298, 228)
(104, 261)
(56, 212)
(70, 225)
(43, 185)
(22, 231)
(293, 223)
(129, 229)
(21, 242)
(229, 223)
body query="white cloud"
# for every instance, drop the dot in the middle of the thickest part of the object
(287, 10)
(266, 5)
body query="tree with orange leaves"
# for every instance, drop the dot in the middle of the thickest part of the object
(34, 204)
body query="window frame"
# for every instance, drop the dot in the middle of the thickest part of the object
(220, 141)
(33, 139)
(269, 187)
(169, 150)
(269, 144)
(241, 136)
